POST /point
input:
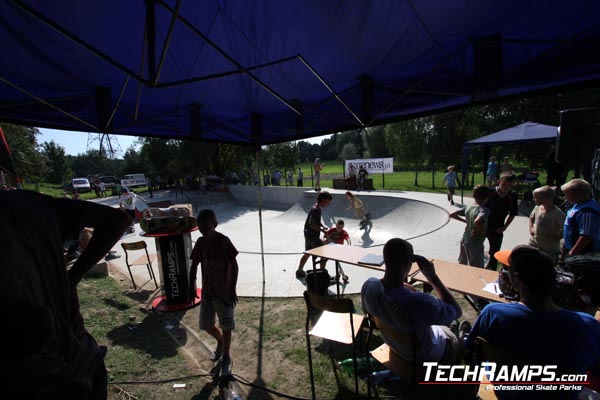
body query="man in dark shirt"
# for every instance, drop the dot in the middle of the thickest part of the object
(312, 230)
(503, 207)
(47, 351)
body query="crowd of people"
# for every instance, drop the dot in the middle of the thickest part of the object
(528, 328)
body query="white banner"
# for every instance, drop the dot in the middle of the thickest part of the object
(372, 165)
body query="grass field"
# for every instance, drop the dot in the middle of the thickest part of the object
(148, 353)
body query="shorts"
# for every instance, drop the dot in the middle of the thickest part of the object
(311, 242)
(451, 189)
(210, 309)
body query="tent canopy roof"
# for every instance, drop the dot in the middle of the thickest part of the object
(526, 132)
(257, 72)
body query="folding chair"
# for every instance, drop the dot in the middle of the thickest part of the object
(338, 322)
(406, 370)
(141, 260)
(488, 352)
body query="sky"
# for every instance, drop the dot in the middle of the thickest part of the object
(77, 142)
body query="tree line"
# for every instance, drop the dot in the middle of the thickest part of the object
(430, 142)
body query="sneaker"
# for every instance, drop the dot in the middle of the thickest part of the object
(111, 256)
(226, 366)
(218, 353)
(300, 273)
(463, 330)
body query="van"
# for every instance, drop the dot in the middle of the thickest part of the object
(81, 184)
(133, 180)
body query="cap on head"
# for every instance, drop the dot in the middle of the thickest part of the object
(535, 268)
(125, 189)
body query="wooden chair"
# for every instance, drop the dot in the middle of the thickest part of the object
(488, 352)
(144, 259)
(410, 371)
(338, 322)
(406, 370)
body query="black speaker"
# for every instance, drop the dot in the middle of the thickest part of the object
(487, 58)
(576, 139)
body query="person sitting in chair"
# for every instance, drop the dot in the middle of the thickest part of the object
(397, 304)
(536, 330)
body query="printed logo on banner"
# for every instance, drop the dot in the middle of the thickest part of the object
(372, 165)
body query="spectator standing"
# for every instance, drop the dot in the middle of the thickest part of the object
(102, 186)
(48, 352)
(582, 223)
(318, 167)
(503, 209)
(149, 185)
(351, 180)
(290, 177)
(362, 177)
(476, 218)
(546, 223)
(217, 258)
(300, 178)
(492, 171)
(506, 167)
(450, 179)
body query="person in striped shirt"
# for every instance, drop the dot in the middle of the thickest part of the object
(217, 257)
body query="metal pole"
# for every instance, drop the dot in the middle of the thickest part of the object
(262, 248)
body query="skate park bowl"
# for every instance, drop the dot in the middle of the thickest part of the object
(391, 215)
(421, 218)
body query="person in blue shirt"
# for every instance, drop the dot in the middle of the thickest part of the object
(582, 225)
(492, 171)
(450, 179)
(536, 330)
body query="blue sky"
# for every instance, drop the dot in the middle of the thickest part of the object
(76, 142)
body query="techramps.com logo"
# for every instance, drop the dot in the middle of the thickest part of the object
(503, 377)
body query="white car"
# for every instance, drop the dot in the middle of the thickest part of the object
(81, 185)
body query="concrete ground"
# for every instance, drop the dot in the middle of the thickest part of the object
(421, 218)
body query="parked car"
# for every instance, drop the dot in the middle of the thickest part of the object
(109, 181)
(81, 184)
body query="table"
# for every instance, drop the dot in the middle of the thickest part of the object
(464, 279)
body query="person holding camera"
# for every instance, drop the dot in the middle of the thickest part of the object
(400, 306)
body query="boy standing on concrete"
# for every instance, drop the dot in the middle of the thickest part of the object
(217, 257)
(475, 216)
(313, 229)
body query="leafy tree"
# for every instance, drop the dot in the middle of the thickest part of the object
(348, 152)
(30, 164)
(375, 140)
(58, 165)
(307, 152)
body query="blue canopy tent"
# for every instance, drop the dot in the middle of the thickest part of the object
(528, 132)
(257, 72)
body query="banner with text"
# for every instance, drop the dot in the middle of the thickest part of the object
(372, 165)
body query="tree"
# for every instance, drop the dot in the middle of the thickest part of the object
(348, 152)
(30, 164)
(58, 166)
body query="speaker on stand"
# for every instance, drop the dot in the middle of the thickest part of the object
(576, 140)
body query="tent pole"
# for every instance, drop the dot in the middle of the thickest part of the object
(260, 224)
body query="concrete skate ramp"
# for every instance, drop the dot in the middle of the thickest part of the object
(390, 216)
